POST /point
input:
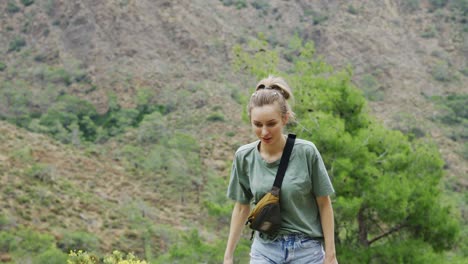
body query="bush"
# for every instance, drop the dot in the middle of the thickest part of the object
(16, 44)
(78, 241)
(12, 7)
(261, 5)
(42, 172)
(152, 129)
(2, 66)
(411, 5)
(216, 117)
(371, 88)
(27, 2)
(352, 10)
(51, 256)
(442, 73)
(438, 3)
(430, 32)
(464, 71)
(82, 257)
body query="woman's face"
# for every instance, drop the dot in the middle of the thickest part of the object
(267, 123)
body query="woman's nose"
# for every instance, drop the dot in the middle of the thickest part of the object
(264, 131)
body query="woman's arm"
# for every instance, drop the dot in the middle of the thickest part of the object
(238, 219)
(328, 226)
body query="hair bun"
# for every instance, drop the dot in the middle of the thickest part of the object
(275, 83)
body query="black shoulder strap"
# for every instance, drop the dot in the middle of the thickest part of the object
(284, 160)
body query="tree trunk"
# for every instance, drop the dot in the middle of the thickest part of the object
(363, 228)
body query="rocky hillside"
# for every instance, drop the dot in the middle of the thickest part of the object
(402, 53)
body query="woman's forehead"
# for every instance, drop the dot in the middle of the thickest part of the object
(265, 113)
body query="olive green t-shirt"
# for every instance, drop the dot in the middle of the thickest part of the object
(305, 179)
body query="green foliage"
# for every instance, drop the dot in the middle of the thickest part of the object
(257, 59)
(464, 71)
(117, 121)
(454, 108)
(239, 4)
(17, 44)
(12, 7)
(372, 88)
(51, 256)
(442, 72)
(41, 172)
(215, 117)
(78, 240)
(152, 129)
(261, 5)
(411, 5)
(387, 186)
(70, 118)
(82, 257)
(27, 2)
(438, 3)
(462, 6)
(3, 66)
(317, 17)
(23, 243)
(192, 249)
(352, 10)
(453, 114)
(430, 32)
(16, 99)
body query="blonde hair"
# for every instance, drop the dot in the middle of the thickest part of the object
(269, 91)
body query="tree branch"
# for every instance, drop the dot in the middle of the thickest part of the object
(392, 230)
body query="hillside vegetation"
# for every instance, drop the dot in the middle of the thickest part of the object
(118, 121)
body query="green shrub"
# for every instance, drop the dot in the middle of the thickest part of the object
(51, 256)
(215, 117)
(27, 2)
(317, 17)
(438, 3)
(464, 71)
(462, 5)
(411, 5)
(82, 257)
(2, 66)
(78, 241)
(7, 242)
(430, 32)
(152, 129)
(24, 241)
(352, 10)
(12, 7)
(41, 172)
(442, 72)
(241, 4)
(261, 5)
(117, 257)
(371, 87)
(464, 151)
(16, 44)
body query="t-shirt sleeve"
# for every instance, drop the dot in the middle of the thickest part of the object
(320, 179)
(239, 187)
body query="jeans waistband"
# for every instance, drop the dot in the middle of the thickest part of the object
(277, 237)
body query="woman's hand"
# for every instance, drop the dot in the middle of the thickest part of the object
(228, 260)
(330, 259)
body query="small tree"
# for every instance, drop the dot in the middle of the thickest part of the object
(387, 186)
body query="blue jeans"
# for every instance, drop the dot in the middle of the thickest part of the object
(293, 249)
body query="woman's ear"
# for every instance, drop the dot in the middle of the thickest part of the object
(285, 118)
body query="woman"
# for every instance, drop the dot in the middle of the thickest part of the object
(306, 210)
